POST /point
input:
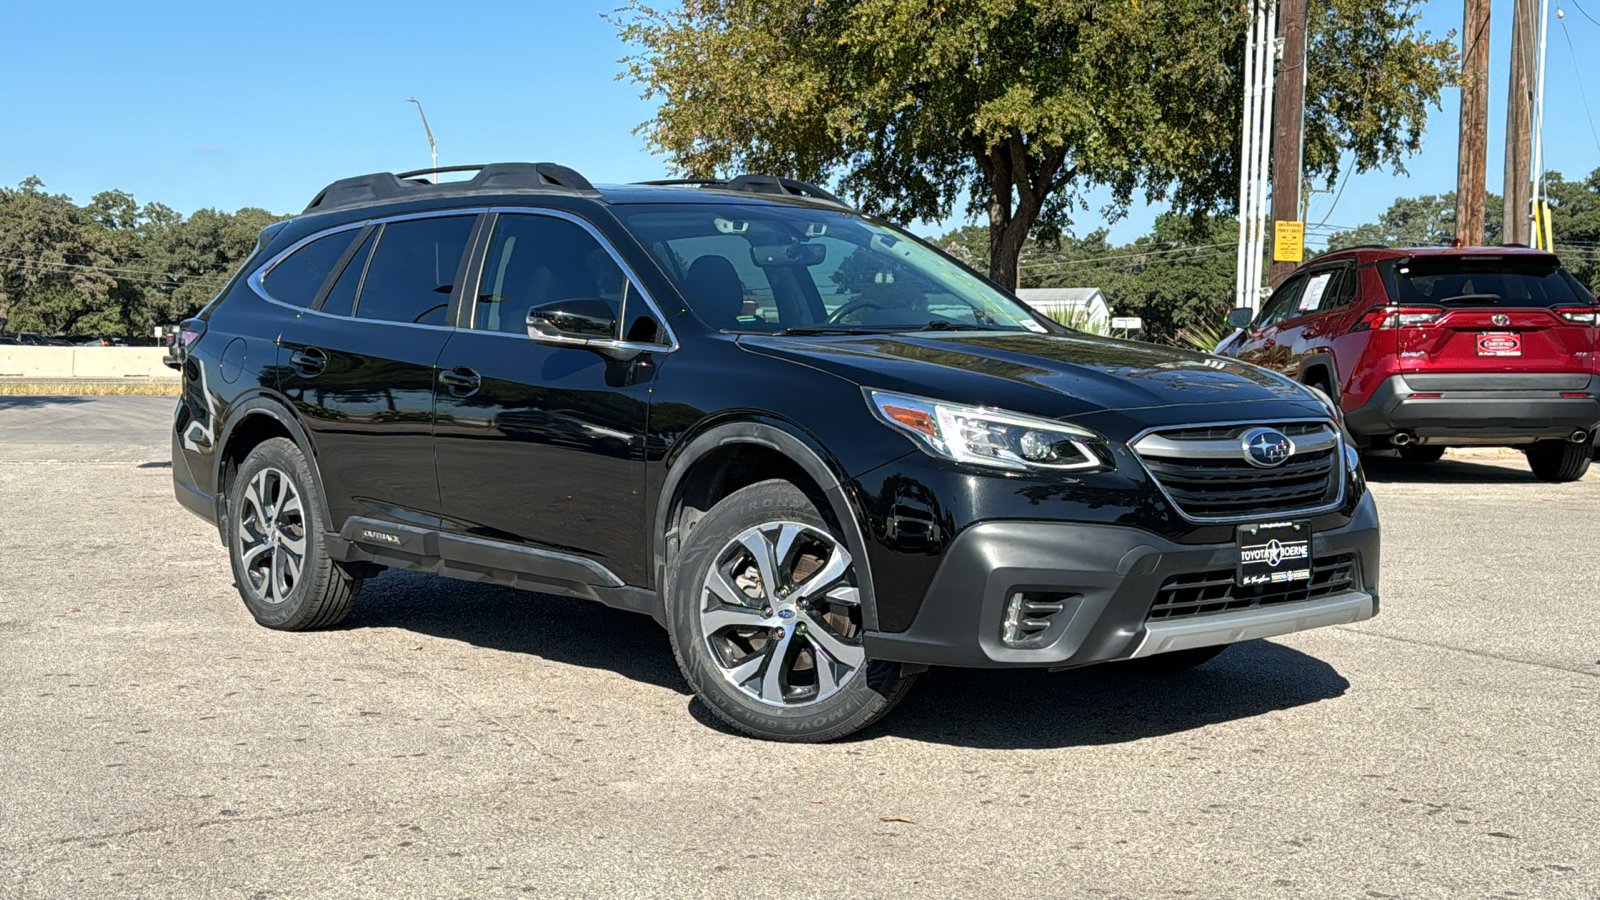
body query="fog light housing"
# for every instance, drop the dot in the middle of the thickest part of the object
(1029, 615)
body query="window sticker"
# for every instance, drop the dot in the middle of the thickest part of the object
(1312, 298)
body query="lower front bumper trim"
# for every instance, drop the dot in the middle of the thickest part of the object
(1250, 624)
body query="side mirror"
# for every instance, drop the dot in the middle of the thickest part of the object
(1241, 317)
(573, 321)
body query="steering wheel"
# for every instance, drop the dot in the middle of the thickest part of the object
(853, 306)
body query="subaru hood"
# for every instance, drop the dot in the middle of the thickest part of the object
(1054, 375)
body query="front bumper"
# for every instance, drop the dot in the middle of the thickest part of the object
(1106, 579)
(1480, 408)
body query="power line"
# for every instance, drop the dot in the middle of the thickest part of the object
(1585, 12)
(1072, 263)
(116, 272)
(1582, 94)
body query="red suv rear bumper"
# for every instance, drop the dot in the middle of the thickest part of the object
(1480, 408)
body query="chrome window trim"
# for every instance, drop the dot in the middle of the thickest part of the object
(667, 346)
(257, 279)
(1338, 460)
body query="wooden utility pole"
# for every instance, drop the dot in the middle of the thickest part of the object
(1289, 106)
(1472, 169)
(1519, 126)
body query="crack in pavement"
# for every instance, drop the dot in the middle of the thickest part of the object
(1470, 652)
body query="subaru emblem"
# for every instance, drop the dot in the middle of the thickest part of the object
(1266, 448)
(785, 613)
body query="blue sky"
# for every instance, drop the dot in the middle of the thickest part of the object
(232, 104)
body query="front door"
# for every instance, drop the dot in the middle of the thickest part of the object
(360, 369)
(541, 444)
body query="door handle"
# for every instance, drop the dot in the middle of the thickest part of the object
(461, 380)
(309, 362)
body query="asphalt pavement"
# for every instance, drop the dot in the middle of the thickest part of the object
(459, 740)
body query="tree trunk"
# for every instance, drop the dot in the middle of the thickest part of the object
(1018, 185)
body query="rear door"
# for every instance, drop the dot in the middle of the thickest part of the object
(1260, 344)
(359, 368)
(1492, 313)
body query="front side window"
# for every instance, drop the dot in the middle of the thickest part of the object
(538, 261)
(1281, 305)
(779, 268)
(413, 270)
(298, 277)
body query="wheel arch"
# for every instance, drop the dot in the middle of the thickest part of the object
(729, 455)
(1322, 364)
(250, 422)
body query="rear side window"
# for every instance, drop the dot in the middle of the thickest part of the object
(300, 275)
(1482, 281)
(413, 270)
(341, 299)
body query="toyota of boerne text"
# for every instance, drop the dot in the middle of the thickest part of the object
(821, 453)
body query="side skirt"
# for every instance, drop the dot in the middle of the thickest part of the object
(492, 562)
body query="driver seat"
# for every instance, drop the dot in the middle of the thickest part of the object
(715, 291)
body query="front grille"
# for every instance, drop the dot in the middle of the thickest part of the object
(1205, 473)
(1214, 591)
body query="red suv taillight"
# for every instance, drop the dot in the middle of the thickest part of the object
(1384, 318)
(1583, 315)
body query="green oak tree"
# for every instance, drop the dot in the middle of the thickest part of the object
(1018, 107)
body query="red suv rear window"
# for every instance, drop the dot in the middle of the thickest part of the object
(1496, 281)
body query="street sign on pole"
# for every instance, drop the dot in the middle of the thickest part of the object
(1127, 323)
(1288, 241)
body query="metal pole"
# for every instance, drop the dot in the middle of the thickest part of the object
(1268, 49)
(433, 146)
(1246, 158)
(1538, 128)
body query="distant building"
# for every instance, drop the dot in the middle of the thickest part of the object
(1082, 307)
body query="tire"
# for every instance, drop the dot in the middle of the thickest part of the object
(275, 510)
(1420, 453)
(784, 664)
(1560, 460)
(1174, 662)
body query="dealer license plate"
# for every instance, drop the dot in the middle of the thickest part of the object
(1274, 553)
(1499, 343)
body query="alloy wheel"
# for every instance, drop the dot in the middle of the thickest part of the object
(781, 614)
(271, 536)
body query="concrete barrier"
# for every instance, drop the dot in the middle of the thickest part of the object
(83, 362)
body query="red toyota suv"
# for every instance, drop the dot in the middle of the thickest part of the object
(1428, 348)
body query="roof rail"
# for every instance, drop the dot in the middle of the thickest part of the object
(754, 184)
(380, 187)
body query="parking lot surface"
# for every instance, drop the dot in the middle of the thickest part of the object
(463, 740)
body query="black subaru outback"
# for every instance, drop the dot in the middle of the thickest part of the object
(821, 453)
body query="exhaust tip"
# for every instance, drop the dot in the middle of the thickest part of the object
(1402, 439)
(1578, 437)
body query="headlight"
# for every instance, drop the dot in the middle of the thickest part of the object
(990, 437)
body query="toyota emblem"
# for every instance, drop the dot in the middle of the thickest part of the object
(1500, 320)
(1266, 448)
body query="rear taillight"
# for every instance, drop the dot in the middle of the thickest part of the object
(1580, 315)
(189, 331)
(1383, 318)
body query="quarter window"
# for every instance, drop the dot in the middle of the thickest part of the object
(536, 261)
(341, 299)
(300, 275)
(413, 270)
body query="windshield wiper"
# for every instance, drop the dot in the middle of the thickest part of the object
(1470, 298)
(947, 325)
(832, 329)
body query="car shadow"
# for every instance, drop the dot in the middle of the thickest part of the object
(979, 708)
(1107, 704)
(560, 629)
(1392, 470)
(34, 401)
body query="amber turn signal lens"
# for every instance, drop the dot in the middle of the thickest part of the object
(915, 419)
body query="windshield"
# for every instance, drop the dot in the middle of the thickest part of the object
(1499, 281)
(773, 268)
